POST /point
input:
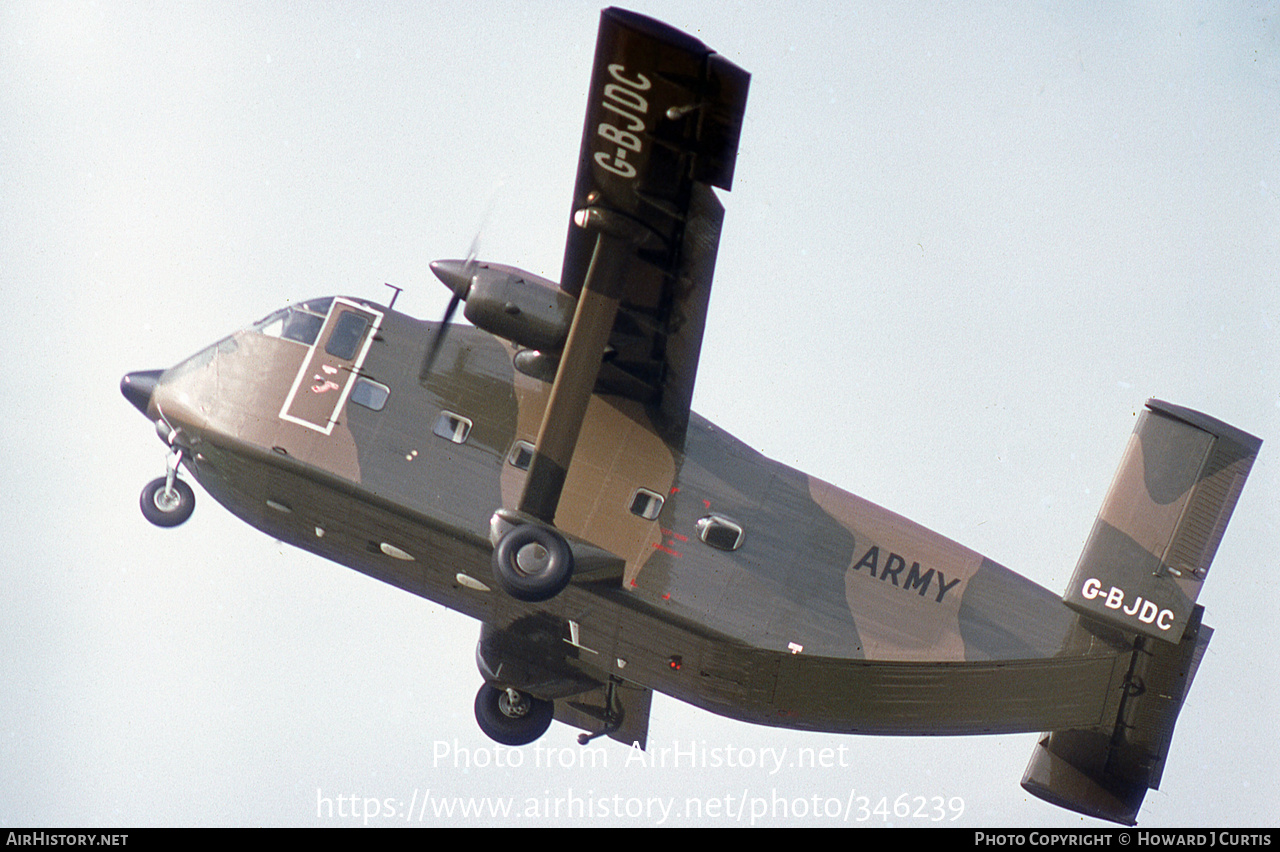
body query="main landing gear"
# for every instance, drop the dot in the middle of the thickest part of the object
(532, 563)
(511, 717)
(168, 501)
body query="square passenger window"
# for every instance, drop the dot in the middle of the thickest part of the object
(521, 455)
(720, 532)
(452, 426)
(647, 504)
(370, 394)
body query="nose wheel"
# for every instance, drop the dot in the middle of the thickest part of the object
(168, 501)
(167, 506)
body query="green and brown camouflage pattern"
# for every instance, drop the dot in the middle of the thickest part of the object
(828, 613)
(1160, 525)
(826, 588)
(834, 614)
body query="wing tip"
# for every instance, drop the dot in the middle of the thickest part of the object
(654, 28)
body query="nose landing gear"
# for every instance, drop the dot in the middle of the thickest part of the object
(168, 501)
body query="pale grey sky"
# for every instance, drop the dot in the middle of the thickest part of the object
(964, 245)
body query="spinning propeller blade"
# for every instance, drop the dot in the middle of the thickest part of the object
(433, 349)
(457, 277)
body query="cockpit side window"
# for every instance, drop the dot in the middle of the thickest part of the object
(301, 324)
(302, 327)
(319, 307)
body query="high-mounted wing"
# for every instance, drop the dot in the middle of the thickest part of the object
(663, 119)
(664, 115)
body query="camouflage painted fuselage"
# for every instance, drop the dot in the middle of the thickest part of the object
(489, 477)
(833, 614)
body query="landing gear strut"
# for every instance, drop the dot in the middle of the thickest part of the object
(168, 501)
(512, 717)
(611, 714)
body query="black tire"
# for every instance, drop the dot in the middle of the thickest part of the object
(532, 563)
(167, 510)
(508, 724)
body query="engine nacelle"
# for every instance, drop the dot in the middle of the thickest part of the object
(519, 306)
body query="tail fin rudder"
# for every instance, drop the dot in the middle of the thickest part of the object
(1160, 524)
(1141, 571)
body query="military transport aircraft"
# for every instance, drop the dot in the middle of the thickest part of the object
(543, 473)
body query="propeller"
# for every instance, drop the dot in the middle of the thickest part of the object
(457, 277)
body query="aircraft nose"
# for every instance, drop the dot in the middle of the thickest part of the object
(137, 387)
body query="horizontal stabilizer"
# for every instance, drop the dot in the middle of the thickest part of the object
(1105, 773)
(1160, 525)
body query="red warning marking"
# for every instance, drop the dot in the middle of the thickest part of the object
(323, 385)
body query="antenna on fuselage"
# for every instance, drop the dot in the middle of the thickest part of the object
(393, 298)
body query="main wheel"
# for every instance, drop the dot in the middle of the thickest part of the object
(167, 508)
(532, 563)
(511, 717)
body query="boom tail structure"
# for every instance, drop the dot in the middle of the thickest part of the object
(1141, 571)
(636, 547)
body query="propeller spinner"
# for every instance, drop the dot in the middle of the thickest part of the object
(457, 276)
(515, 305)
